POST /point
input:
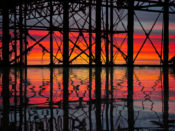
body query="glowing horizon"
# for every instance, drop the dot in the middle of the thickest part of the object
(146, 56)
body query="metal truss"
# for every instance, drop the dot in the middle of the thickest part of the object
(81, 31)
(65, 97)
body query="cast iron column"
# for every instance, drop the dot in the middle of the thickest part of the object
(66, 33)
(130, 31)
(98, 33)
(5, 36)
(166, 31)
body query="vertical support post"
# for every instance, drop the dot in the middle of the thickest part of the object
(6, 101)
(25, 99)
(90, 98)
(166, 31)
(5, 39)
(21, 99)
(66, 98)
(98, 97)
(51, 33)
(107, 34)
(166, 98)
(111, 102)
(15, 36)
(98, 33)
(51, 98)
(130, 99)
(15, 99)
(66, 32)
(90, 32)
(107, 97)
(21, 33)
(111, 31)
(130, 32)
(25, 32)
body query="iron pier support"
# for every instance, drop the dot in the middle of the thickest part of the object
(5, 37)
(66, 33)
(130, 32)
(166, 32)
(98, 33)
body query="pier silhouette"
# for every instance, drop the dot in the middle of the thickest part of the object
(89, 76)
(80, 30)
(114, 98)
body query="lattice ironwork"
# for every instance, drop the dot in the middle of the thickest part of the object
(71, 29)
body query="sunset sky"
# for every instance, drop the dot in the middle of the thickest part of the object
(77, 94)
(147, 85)
(146, 56)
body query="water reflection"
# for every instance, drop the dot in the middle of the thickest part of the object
(115, 98)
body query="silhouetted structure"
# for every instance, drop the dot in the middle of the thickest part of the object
(66, 17)
(99, 100)
(172, 61)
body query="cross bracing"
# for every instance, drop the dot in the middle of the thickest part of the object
(80, 31)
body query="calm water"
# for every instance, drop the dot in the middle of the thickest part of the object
(117, 98)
